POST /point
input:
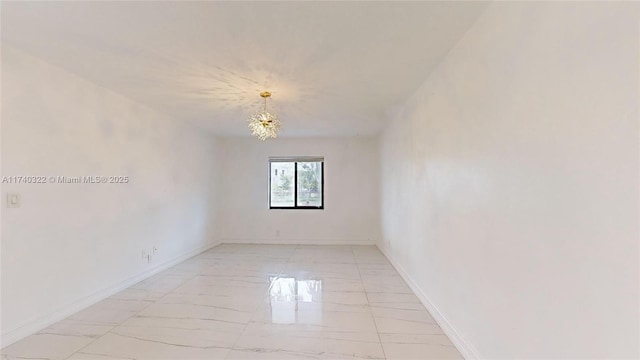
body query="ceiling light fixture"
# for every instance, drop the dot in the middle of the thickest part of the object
(264, 124)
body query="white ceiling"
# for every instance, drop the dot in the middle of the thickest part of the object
(334, 68)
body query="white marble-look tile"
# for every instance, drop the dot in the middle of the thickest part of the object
(160, 283)
(138, 294)
(254, 302)
(46, 346)
(254, 284)
(237, 279)
(333, 307)
(69, 327)
(386, 280)
(293, 266)
(372, 261)
(375, 270)
(290, 318)
(342, 285)
(187, 269)
(181, 332)
(402, 311)
(141, 321)
(377, 266)
(253, 250)
(230, 268)
(271, 354)
(377, 307)
(392, 298)
(302, 308)
(325, 271)
(403, 319)
(317, 315)
(323, 254)
(342, 298)
(196, 311)
(386, 285)
(115, 345)
(232, 303)
(273, 342)
(369, 255)
(385, 275)
(110, 311)
(372, 273)
(408, 347)
(208, 285)
(84, 356)
(390, 325)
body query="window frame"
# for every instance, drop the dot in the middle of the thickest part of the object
(295, 160)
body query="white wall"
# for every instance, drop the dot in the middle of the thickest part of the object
(350, 214)
(69, 242)
(510, 183)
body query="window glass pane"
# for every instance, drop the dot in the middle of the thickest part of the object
(310, 184)
(282, 184)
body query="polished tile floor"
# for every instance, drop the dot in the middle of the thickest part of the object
(254, 302)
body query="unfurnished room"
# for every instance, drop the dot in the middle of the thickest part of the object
(402, 180)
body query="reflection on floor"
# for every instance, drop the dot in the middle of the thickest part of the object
(254, 302)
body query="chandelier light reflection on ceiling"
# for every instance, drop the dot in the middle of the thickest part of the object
(264, 124)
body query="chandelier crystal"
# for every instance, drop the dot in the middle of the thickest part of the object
(264, 124)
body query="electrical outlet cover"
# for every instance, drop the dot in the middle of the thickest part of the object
(13, 200)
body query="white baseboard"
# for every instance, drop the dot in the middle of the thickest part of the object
(34, 326)
(282, 241)
(464, 347)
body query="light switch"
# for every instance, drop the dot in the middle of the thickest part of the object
(13, 200)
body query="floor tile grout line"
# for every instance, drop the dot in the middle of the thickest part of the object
(270, 265)
(368, 303)
(139, 311)
(280, 273)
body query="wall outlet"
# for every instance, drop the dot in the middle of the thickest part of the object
(155, 249)
(144, 255)
(13, 200)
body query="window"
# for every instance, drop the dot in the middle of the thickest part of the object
(296, 183)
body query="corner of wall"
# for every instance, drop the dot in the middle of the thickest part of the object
(465, 348)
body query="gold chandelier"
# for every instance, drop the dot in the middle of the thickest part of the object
(264, 124)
